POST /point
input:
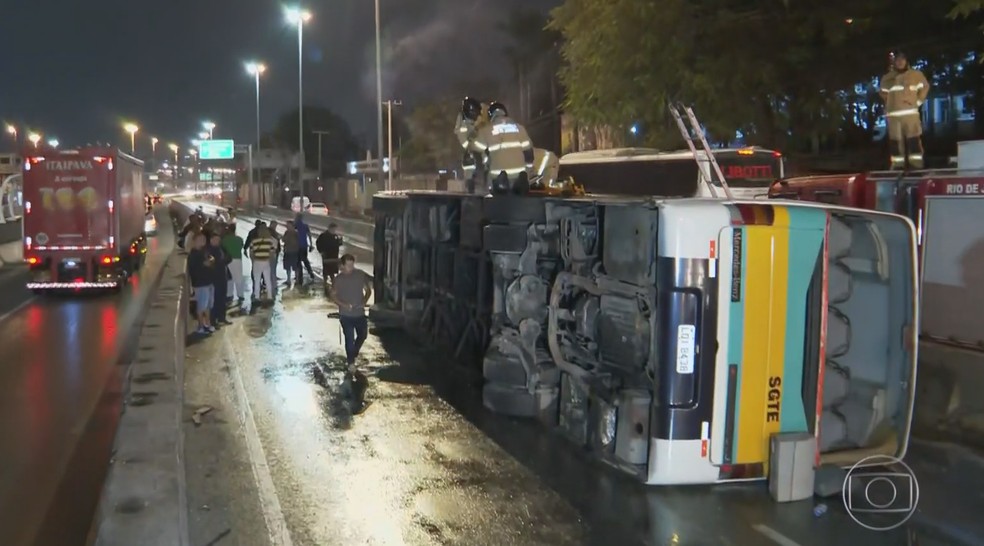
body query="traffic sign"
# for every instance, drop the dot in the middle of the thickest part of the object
(216, 149)
(205, 177)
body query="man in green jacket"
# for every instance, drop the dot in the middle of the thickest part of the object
(233, 244)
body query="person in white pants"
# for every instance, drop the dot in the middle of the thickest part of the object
(232, 244)
(261, 248)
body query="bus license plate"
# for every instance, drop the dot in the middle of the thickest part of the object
(686, 336)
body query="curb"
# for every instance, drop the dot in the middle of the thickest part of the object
(143, 501)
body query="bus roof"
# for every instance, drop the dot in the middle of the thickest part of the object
(629, 154)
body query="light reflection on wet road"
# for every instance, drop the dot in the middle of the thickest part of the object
(426, 464)
(59, 405)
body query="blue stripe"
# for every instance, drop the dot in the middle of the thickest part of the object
(807, 230)
(736, 335)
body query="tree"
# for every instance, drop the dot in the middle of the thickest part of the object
(339, 146)
(432, 144)
(781, 74)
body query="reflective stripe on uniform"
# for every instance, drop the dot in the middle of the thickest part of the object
(916, 87)
(514, 170)
(896, 88)
(915, 157)
(906, 112)
(543, 165)
(507, 145)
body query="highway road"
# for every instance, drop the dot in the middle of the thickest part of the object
(277, 460)
(61, 366)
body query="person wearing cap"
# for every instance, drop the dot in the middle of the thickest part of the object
(904, 90)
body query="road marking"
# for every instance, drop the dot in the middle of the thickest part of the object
(269, 501)
(774, 535)
(23, 304)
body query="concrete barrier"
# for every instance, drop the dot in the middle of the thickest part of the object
(949, 405)
(11, 253)
(11, 230)
(144, 500)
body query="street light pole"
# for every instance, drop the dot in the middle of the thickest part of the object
(389, 110)
(256, 69)
(299, 17)
(320, 134)
(379, 95)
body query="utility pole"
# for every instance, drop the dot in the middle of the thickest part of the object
(389, 109)
(320, 134)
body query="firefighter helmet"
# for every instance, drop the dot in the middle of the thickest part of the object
(496, 108)
(471, 109)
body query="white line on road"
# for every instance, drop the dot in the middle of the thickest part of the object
(774, 535)
(269, 501)
(10, 313)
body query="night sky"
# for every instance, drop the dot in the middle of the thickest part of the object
(77, 69)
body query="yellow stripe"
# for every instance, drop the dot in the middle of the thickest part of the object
(767, 263)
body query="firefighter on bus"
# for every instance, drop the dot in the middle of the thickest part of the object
(465, 130)
(508, 151)
(904, 90)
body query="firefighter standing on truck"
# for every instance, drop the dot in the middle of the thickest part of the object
(508, 151)
(465, 130)
(904, 90)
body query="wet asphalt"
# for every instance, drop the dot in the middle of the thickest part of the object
(279, 459)
(62, 360)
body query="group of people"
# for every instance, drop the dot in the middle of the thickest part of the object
(215, 270)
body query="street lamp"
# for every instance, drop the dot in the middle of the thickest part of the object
(34, 138)
(379, 96)
(12, 131)
(132, 129)
(203, 135)
(53, 143)
(255, 69)
(298, 16)
(209, 126)
(389, 109)
(174, 148)
(153, 145)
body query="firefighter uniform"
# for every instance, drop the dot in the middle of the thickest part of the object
(904, 92)
(547, 167)
(508, 151)
(465, 129)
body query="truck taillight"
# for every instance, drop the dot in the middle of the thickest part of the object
(27, 207)
(33, 260)
(111, 206)
(28, 242)
(106, 260)
(99, 159)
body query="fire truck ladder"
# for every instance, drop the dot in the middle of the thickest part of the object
(689, 134)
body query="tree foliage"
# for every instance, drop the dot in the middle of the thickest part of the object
(766, 69)
(338, 147)
(432, 144)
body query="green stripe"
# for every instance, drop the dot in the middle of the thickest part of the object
(736, 334)
(807, 231)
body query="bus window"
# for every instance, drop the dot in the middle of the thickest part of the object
(673, 178)
(831, 197)
(885, 196)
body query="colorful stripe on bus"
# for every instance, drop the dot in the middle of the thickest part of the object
(766, 340)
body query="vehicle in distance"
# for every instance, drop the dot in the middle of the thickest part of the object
(319, 209)
(300, 204)
(150, 225)
(84, 218)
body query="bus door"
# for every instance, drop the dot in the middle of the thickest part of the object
(767, 262)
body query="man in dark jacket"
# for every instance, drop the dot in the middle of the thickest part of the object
(304, 244)
(329, 245)
(220, 280)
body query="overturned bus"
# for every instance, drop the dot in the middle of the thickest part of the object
(672, 338)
